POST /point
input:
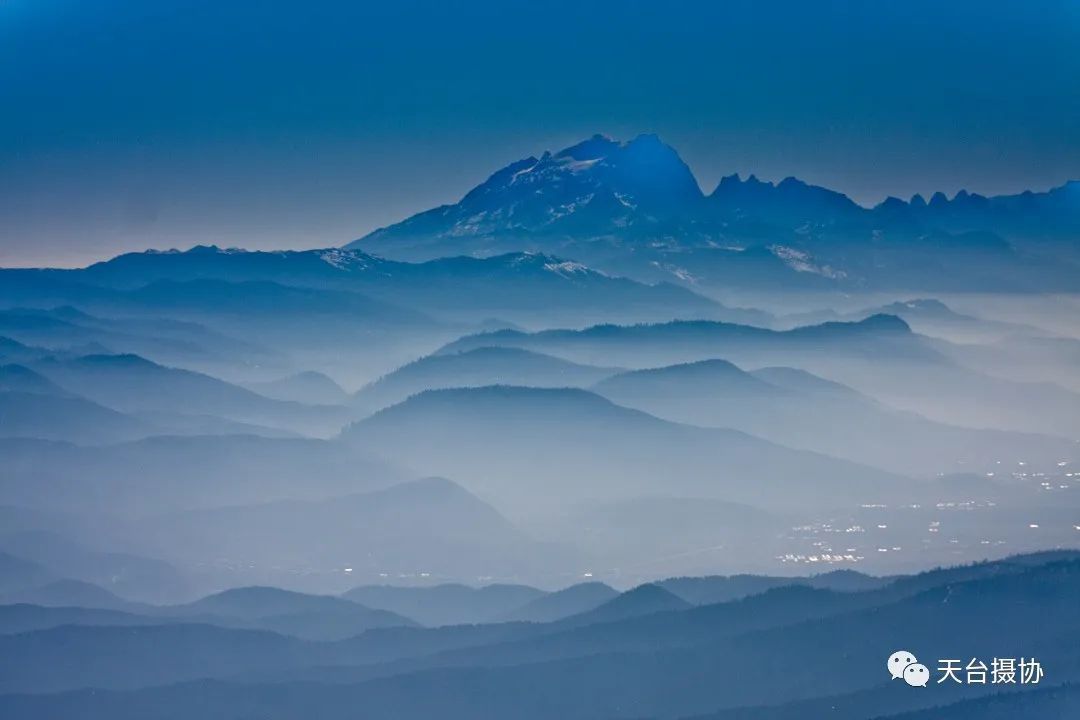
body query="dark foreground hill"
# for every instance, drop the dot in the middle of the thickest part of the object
(743, 659)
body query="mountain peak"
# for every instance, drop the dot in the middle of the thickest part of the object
(791, 200)
(642, 600)
(883, 322)
(598, 146)
(427, 488)
(634, 208)
(599, 185)
(125, 360)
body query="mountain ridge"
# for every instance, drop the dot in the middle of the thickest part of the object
(635, 208)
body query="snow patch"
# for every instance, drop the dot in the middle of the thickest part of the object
(801, 261)
(567, 268)
(576, 166)
(344, 259)
(519, 173)
(468, 226)
(569, 208)
(679, 272)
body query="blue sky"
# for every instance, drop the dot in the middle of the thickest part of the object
(129, 124)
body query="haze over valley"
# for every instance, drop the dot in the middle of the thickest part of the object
(580, 442)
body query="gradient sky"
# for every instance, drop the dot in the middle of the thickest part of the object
(127, 124)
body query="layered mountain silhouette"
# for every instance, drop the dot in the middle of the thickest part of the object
(17, 573)
(19, 378)
(430, 527)
(576, 600)
(878, 339)
(37, 407)
(659, 662)
(718, 589)
(642, 600)
(564, 445)
(134, 385)
(130, 576)
(799, 409)
(14, 351)
(291, 613)
(64, 327)
(329, 282)
(879, 356)
(70, 593)
(449, 604)
(929, 316)
(189, 472)
(474, 368)
(48, 416)
(19, 618)
(297, 321)
(306, 387)
(488, 462)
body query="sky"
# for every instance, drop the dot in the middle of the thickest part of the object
(127, 124)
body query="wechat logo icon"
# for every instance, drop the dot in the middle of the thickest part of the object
(904, 666)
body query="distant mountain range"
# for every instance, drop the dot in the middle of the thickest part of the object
(635, 208)
(653, 653)
(648, 345)
(189, 473)
(628, 209)
(449, 603)
(261, 316)
(572, 601)
(550, 448)
(538, 388)
(878, 355)
(128, 576)
(309, 386)
(798, 409)
(131, 384)
(512, 286)
(430, 527)
(475, 368)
